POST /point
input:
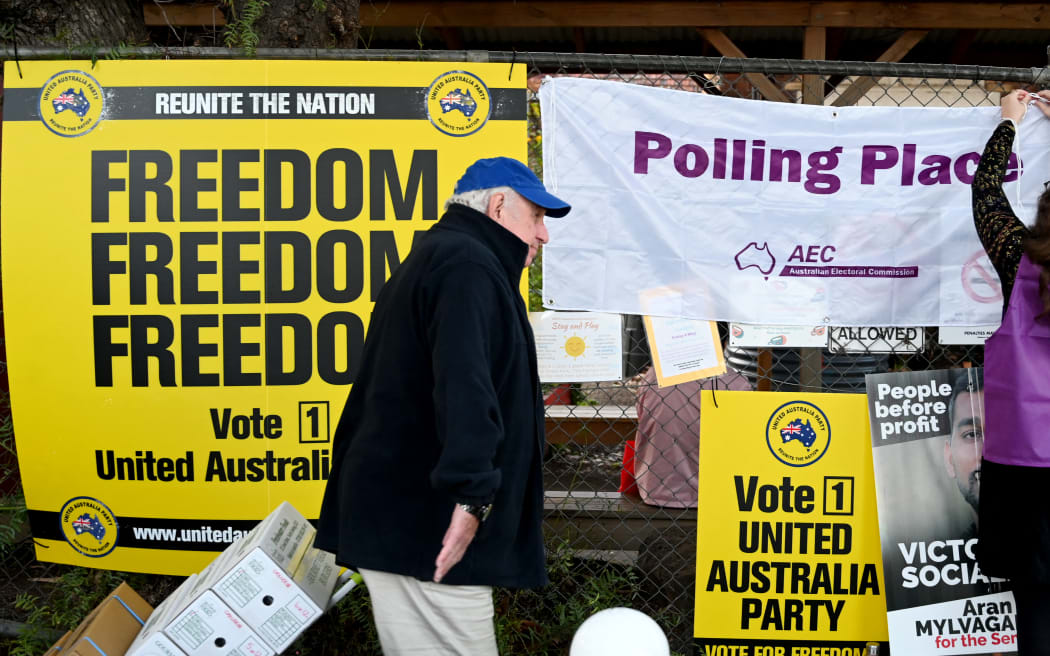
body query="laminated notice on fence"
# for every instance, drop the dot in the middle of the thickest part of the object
(927, 434)
(788, 551)
(578, 347)
(775, 213)
(684, 349)
(782, 336)
(967, 335)
(191, 251)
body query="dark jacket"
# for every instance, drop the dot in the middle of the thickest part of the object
(445, 408)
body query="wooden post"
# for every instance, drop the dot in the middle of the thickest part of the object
(813, 47)
(810, 360)
(764, 373)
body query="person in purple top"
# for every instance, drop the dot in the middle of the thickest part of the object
(1014, 504)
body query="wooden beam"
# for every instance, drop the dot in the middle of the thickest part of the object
(190, 15)
(742, 13)
(814, 45)
(727, 48)
(894, 53)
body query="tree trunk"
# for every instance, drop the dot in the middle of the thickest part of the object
(303, 23)
(98, 23)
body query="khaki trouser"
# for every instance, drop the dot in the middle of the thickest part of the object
(423, 617)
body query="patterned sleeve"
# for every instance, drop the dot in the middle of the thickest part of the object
(1002, 233)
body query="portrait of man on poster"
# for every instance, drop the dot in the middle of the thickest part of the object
(964, 444)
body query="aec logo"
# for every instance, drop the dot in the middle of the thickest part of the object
(89, 526)
(762, 258)
(458, 103)
(71, 103)
(798, 434)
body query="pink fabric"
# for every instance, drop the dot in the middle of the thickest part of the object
(1017, 379)
(667, 447)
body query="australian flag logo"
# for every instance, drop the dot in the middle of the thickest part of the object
(88, 524)
(75, 102)
(461, 100)
(796, 430)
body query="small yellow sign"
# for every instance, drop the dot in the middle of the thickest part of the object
(788, 554)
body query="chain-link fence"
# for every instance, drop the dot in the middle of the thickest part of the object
(611, 542)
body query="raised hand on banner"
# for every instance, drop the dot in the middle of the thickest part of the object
(1041, 100)
(1015, 105)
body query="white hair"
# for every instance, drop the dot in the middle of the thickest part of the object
(478, 199)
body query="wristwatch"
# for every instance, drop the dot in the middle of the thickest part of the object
(481, 512)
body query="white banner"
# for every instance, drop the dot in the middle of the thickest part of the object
(763, 212)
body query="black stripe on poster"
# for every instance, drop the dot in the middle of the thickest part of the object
(347, 103)
(156, 533)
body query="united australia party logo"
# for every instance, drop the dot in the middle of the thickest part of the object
(71, 103)
(458, 103)
(798, 434)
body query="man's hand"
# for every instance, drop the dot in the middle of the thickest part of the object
(457, 538)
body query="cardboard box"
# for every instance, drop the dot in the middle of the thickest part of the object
(208, 627)
(277, 604)
(110, 628)
(193, 621)
(151, 639)
(156, 644)
(193, 618)
(284, 536)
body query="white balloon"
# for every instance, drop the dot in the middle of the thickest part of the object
(619, 632)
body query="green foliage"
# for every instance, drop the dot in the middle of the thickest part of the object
(77, 591)
(319, 5)
(13, 516)
(543, 621)
(534, 147)
(536, 283)
(240, 26)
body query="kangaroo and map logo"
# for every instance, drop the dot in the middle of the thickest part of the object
(89, 526)
(71, 103)
(798, 434)
(458, 103)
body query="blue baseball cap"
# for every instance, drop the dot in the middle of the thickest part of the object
(507, 172)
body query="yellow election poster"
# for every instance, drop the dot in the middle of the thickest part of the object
(191, 251)
(788, 559)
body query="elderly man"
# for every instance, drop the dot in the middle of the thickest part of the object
(436, 492)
